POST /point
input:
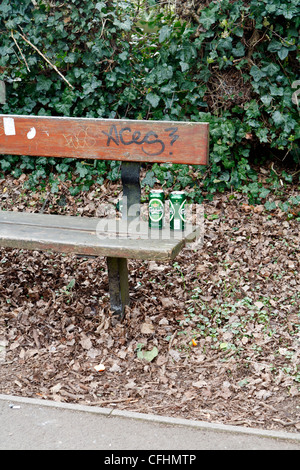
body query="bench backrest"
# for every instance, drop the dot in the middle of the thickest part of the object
(105, 139)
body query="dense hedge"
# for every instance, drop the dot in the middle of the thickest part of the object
(232, 63)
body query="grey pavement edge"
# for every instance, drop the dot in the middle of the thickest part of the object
(36, 424)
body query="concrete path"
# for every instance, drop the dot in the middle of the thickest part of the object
(30, 424)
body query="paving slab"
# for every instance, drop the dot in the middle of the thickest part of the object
(36, 424)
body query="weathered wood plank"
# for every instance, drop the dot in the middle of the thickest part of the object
(104, 227)
(97, 237)
(108, 139)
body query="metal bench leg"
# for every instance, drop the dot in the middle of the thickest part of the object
(118, 285)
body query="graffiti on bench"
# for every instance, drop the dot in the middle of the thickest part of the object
(109, 139)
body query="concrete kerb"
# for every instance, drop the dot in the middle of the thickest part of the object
(163, 420)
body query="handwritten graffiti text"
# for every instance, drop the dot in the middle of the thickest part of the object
(150, 143)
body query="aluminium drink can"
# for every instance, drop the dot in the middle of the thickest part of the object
(177, 210)
(156, 208)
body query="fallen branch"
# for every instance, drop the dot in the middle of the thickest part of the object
(112, 401)
(19, 49)
(46, 59)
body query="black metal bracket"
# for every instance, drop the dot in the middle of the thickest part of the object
(118, 285)
(130, 174)
(117, 267)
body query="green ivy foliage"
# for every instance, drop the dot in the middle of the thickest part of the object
(232, 64)
(88, 43)
(83, 40)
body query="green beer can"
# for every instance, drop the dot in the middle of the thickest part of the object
(156, 208)
(177, 210)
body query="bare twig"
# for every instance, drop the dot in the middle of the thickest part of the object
(112, 401)
(19, 49)
(45, 202)
(46, 59)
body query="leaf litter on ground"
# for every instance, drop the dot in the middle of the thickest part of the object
(213, 337)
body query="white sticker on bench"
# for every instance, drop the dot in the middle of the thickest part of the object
(9, 126)
(32, 133)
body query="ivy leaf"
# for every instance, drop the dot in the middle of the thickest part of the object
(278, 117)
(271, 69)
(164, 33)
(266, 99)
(257, 73)
(81, 170)
(239, 50)
(54, 187)
(208, 18)
(184, 66)
(270, 205)
(264, 193)
(99, 6)
(262, 134)
(295, 200)
(123, 55)
(125, 25)
(5, 165)
(43, 83)
(62, 167)
(5, 7)
(283, 53)
(148, 355)
(153, 99)
(150, 179)
(274, 46)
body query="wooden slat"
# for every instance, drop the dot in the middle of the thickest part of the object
(107, 139)
(49, 220)
(98, 237)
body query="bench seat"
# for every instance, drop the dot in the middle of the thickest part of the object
(90, 236)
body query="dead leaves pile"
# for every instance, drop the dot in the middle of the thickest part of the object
(213, 337)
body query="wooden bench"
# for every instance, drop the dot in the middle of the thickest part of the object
(129, 141)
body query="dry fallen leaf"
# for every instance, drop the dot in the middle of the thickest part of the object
(147, 328)
(259, 305)
(167, 302)
(86, 342)
(115, 368)
(199, 384)
(247, 207)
